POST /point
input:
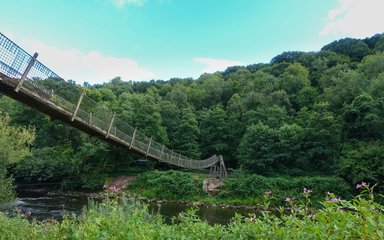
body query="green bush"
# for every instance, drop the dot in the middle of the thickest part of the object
(167, 185)
(7, 193)
(245, 186)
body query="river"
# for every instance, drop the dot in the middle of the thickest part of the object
(45, 207)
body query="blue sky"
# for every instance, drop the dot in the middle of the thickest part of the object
(96, 40)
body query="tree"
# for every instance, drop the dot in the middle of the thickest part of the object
(363, 161)
(187, 135)
(257, 149)
(290, 56)
(14, 146)
(143, 111)
(321, 142)
(14, 143)
(363, 119)
(213, 128)
(354, 48)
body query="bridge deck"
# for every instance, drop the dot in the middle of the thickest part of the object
(66, 102)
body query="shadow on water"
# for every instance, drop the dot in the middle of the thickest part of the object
(47, 207)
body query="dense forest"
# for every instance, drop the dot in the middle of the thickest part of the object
(303, 114)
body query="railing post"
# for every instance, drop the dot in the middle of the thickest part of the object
(162, 151)
(24, 76)
(171, 155)
(110, 125)
(149, 145)
(133, 138)
(77, 106)
(90, 118)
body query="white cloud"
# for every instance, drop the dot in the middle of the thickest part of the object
(355, 18)
(123, 3)
(92, 67)
(212, 65)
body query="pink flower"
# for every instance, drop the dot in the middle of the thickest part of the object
(307, 190)
(105, 186)
(28, 214)
(288, 199)
(363, 184)
(269, 193)
(334, 200)
(113, 188)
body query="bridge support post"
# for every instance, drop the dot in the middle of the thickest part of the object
(149, 145)
(24, 76)
(133, 138)
(218, 170)
(162, 151)
(77, 106)
(110, 125)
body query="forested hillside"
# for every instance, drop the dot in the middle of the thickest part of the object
(303, 114)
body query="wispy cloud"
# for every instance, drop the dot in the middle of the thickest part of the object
(92, 67)
(123, 3)
(213, 65)
(355, 18)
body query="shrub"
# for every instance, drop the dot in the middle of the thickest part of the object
(242, 185)
(7, 193)
(167, 185)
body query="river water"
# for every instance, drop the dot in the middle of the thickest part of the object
(45, 207)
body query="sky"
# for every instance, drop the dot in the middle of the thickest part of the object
(96, 40)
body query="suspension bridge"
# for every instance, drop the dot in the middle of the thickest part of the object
(25, 79)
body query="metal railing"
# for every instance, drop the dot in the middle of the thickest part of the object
(44, 85)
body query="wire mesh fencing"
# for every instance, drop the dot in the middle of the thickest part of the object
(45, 85)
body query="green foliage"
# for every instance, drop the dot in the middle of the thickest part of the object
(7, 193)
(14, 143)
(187, 135)
(14, 146)
(167, 185)
(251, 186)
(363, 161)
(363, 118)
(213, 124)
(256, 150)
(354, 48)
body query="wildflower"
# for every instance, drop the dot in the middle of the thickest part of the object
(288, 200)
(105, 186)
(28, 214)
(307, 190)
(269, 193)
(113, 188)
(361, 185)
(253, 218)
(312, 215)
(333, 200)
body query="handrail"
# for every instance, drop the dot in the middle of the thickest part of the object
(67, 98)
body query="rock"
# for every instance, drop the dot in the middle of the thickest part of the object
(211, 186)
